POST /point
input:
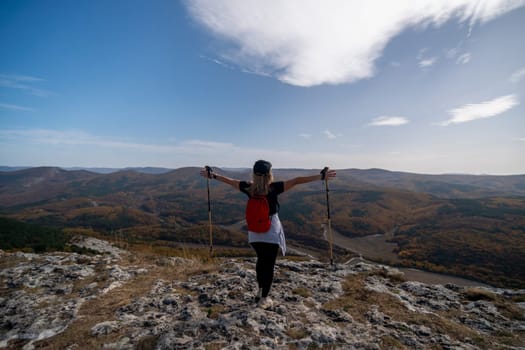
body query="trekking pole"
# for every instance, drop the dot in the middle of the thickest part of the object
(209, 171)
(330, 239)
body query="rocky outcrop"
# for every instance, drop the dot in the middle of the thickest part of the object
(40, 294)
(360, 306)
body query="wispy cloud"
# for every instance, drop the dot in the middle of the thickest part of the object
(427, 62)
(217, 61)
(304, 43)
(15, 107)
(82, 138)
(464, 58)
(61, 148)
(25, 83)
(458, 55)
(451, 53)
(424, 60)
(517, 75)
(305, 136)
(388, 121)
(115, 152)
(329, 134)
(73, 137)
(487, 109)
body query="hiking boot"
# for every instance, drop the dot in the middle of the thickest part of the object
(265, 303)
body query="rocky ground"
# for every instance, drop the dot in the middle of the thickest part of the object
(120, 300)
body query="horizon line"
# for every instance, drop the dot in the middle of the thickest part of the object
(168, 169)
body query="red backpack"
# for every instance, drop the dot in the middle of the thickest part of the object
(258, 214)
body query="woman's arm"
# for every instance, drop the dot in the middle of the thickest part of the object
(289, 184)
(212, 175)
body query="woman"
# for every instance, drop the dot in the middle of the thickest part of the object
(266, 244)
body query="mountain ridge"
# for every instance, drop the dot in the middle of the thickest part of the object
(490, 185)
(172, 208)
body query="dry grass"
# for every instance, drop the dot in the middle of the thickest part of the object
(388, 342)
(511, 311)
(394, 276)
(215, 346)
(10, 261)
(202, 252)
(297, 258)
(315, 346)
(297, 333)
(301, 291)
(147, 343)
(475, 294)
(357, 301)
(507, 309)
(214, 311)
(104, 307)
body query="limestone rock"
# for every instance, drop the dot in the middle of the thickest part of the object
(313, 306)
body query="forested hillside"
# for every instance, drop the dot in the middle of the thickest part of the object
(469, 226)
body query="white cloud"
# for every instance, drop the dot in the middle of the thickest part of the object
(208, 144)
(309, 42)
(20, 78)
(25, 83)
(423, 60)
(15, 107)
(219, 62)
(517, 75)
(131, 150)
(388, 121)
(305, 136)
(54, 147)
(35, 147)
(451, 53)
(427, 62)
(464, 58)
(487, 109)
(329, 134)
(75, 137)
(457, 55)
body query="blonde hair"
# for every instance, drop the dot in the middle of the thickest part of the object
(260, 184)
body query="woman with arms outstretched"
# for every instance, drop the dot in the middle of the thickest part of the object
(266, 244)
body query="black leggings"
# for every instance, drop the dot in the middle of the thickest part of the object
(266, 256)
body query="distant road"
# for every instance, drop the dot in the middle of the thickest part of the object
(372, 247)
(375, 247)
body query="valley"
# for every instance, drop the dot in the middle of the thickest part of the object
(378, 248)
(467, 226)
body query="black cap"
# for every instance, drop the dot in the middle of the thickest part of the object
(262, 167)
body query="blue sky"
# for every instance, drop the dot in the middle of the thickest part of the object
(427, 86)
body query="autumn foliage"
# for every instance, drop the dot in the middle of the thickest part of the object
(463, 225)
